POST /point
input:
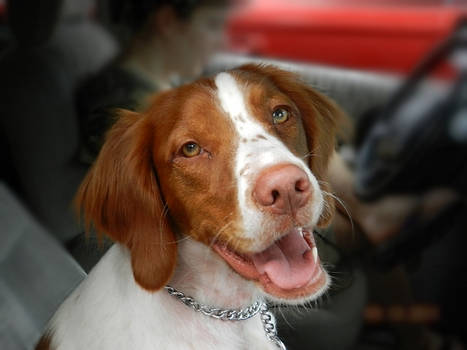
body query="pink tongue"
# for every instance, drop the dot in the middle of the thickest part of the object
(288, 262)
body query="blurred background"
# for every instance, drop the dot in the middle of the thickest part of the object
(397, 67)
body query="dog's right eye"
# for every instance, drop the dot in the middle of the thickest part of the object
(191, 149)
(280, 115)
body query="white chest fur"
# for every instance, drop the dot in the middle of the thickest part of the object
(110, 311)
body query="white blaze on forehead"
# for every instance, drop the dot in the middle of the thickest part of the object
(255, 153)
(230, 96)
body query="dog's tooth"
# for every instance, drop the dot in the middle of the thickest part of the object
(300, 229)
(314, 250)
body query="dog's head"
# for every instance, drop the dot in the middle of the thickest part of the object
(237, 162)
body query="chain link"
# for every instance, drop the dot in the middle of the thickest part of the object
(220, 314)
(234, 314)
(269, 327)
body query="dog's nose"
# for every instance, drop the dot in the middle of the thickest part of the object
(283, 189)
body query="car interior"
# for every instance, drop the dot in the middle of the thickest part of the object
(46, 49)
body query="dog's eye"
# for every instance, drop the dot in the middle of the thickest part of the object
(191, 149)
(280, 115)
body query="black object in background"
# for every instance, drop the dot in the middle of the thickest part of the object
(419, 140)
(415, 144)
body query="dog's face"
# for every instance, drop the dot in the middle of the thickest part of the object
(237, 162)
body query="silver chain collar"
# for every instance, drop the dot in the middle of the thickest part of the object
(269, 327)
(220, 314)
(258, 306)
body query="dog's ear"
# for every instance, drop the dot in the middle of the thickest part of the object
(322, 120)
(120, 197)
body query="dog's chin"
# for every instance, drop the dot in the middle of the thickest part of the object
(289, 270)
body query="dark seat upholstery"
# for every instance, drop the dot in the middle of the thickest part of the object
(38, 75)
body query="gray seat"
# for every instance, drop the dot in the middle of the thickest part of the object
(36, 274)
(39, 74)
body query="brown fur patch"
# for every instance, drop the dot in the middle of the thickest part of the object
(200, 191)
(44, 343)
(120, 197)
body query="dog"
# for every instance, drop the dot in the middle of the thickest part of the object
(215, 191)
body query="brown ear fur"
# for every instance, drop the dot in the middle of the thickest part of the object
(120, 197)
(322, 120)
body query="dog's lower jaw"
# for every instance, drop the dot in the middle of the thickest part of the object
(204, 275)
(289, 270)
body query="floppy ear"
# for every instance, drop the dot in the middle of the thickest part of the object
(322, 120)
(120, 197)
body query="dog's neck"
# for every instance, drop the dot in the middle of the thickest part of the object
(203, 275)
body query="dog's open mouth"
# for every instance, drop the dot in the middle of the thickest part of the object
(290, 268)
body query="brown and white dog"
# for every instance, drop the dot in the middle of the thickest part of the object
(215, 190)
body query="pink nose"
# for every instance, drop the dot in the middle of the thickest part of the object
(283, 189)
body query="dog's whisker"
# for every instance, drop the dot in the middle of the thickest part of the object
(316, 152)
(184, 238)
(162, 223)
(308, 155)
(219, 232)
(347, 211)
(214, 239)
(284, 317)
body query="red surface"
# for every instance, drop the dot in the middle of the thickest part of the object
(374, 38)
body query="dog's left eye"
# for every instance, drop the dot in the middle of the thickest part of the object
(280, 115)
(191, 149)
